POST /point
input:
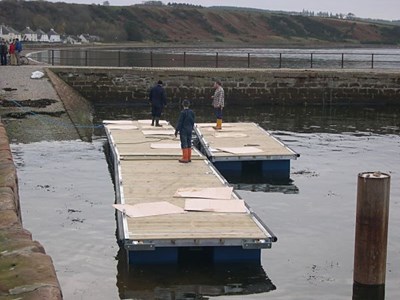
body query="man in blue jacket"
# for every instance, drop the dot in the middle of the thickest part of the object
(185, 128)
(158, 100)
(18, 50)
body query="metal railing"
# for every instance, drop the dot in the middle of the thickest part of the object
(292, 60)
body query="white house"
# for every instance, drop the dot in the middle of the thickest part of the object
(71, 40)
(54, 37)
(8, 33)
(29, 35)
(4, 33)
(84, 39)
(88, 38)
(42, 36)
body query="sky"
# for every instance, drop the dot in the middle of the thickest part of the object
(376, 9)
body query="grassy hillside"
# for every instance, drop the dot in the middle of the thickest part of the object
(191, 24)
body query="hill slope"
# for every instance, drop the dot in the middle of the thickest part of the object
(191, 24)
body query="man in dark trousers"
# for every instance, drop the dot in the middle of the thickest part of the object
(3, 52)
(218, 103)
(158, 100)
(185, 128)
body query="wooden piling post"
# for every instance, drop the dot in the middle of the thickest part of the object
(371, 230)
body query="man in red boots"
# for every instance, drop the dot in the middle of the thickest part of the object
(218, 103)
(184, 128)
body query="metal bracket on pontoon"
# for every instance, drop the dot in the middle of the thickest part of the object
(139, 246)
(257, 244)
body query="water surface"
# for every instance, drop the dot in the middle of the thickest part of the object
(67, 192)
(331, 58)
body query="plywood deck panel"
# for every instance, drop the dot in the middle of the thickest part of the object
(242, 135)
(133, 142)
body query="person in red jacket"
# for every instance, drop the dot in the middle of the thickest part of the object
(11, 50)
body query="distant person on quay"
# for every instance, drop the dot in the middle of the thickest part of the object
(185, 127)
(218, 103)
(18, 50)
(158, 99)
(3, 52)
(11, 50)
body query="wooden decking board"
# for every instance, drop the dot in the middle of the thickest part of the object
(147, 179)
(198, 225)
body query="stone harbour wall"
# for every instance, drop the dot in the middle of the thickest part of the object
(242, 86)
(78, 108)
(26, 272)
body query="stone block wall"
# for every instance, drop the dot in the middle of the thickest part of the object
(26, 272)
(242, 86)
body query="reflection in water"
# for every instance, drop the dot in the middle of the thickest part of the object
(368, 292)
(254, 181)
(266, 187)
(194, 280)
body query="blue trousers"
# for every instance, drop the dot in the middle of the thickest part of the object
(156, 111)
(4, 59)
(218, 112)
(186, 139)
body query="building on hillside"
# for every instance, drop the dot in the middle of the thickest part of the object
(42, 36)
(88, 38)
(14, 33)
(71, 40)
(29, 35)
(152, 3)
(4, 33)
(54, 37)
(83, 39)
(8, 33)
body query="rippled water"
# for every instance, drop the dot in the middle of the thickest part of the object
(67, 193)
